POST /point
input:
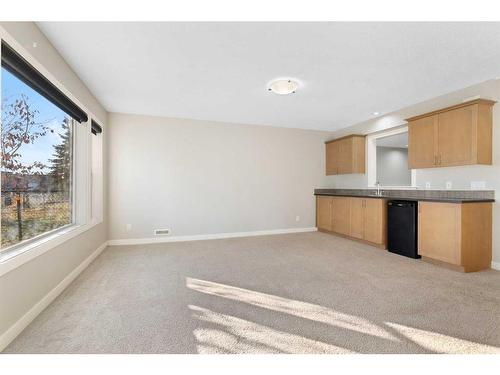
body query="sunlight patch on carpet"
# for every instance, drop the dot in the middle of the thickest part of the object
(296, 308)
(235, 335)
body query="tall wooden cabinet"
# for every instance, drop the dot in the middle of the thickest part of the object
(456, 234)
(457, 135)
(345, 155)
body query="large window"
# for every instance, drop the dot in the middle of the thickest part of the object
(36, 163)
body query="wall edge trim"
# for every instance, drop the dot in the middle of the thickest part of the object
(202, 237)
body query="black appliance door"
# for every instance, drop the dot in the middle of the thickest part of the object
(402, 228)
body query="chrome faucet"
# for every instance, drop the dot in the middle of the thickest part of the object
(378, 193)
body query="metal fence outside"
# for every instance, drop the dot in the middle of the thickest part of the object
(29, 214)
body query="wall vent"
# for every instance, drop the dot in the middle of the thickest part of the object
(162, 232)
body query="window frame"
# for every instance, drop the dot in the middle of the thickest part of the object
(96, 179)
(22, 253)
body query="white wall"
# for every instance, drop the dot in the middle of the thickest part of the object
(460, 177)
(200, 177)
(392, 166)
(23, 287)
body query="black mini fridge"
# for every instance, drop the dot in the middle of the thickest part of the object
(402, 228)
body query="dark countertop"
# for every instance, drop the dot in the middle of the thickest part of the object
(446, 196)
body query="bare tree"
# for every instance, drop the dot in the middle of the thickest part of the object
(19, 127)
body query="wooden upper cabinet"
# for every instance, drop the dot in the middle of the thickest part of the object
(421, 154)
(345, 155)
(458, 135)
(332, 158)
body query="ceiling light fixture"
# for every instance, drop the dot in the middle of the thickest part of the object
(376, 113)
(283, 86)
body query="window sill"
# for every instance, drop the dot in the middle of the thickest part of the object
(16, 257)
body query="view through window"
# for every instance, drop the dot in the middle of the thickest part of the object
(36, 163)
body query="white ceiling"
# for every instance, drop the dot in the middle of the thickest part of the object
(396, 140)
(219, 71)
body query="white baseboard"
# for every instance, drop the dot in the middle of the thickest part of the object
(27, 318)
(216, 236)
(495, 265)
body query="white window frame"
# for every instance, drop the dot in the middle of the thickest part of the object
(18, 255)
(96, 179)
(371, 152)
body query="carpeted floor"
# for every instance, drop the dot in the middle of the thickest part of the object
(296, 293)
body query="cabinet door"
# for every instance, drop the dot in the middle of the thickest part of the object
(332, 158)
(422, 142)
(345, 158)
(439, 231)
(324, 212)
(341, 209)
(457, 137)
(375, 221)
(356, 215)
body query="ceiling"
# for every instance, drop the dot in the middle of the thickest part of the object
(397, 140)
(220, 71)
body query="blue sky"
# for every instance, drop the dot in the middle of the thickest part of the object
(42, 149)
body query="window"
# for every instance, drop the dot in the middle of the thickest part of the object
(392, 160)
(387, 156)
(45, 163)
(36, 164)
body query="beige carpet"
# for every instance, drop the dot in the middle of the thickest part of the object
(296, 293)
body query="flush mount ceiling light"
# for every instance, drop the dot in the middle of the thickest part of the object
(283, 86)
(376, 113)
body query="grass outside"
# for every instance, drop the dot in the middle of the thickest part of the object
(36, 219)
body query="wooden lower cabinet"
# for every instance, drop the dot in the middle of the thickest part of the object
(458, 235)
(369, 220)
(341, 215)
(357, 217)
(375, 224)
(324, 212)
(360, 218)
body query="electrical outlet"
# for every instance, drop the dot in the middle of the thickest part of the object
(297, 218)
(162, 232)
(448, 185)
(427, 185)
(478, 185)
(128, 227)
